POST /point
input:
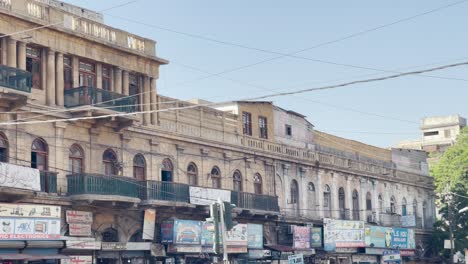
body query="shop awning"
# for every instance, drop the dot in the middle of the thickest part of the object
(14, 256)
(280, 248)
(41, 257)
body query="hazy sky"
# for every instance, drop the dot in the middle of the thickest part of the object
(378, 113)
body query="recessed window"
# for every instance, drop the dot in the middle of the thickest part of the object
(247, 123)
(263, 127)
(87, 72)
(447, 133)
(288, 130)
(431, 133)
(106, 78)
(67, 73)
(33, 65)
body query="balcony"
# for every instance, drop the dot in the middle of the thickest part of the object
(90, 101)
(15, 87)
(165, 193)
(251, 201)
(48, 181)
(103, 188)
(390, 219)
(17, 182)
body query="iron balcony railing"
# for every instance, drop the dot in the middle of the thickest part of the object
(84, 95)
(255, 201)
(16, 79)
(86, 183)
(165, 191)
(48, 181)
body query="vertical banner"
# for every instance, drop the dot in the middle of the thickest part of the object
(254, 236)
(167, 232)
(149, 223)
(301, 236)
(315, 237)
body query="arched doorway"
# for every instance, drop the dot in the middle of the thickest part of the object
(167, 170)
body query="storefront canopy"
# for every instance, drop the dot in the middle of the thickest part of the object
(14, 256)
(43, 257)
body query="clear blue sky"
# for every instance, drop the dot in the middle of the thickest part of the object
(288, 26)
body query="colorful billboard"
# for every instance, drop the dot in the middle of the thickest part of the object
(237, 236)
(403, 238)
(315, 237)
(29, 222)
(167, 231)
(343, 234)
(149, 223)
(187, 232)
(378, 237)
(208, 234)
(301, 237)
(254, 236)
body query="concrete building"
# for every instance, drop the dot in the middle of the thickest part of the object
(437, 134)
(89, 176)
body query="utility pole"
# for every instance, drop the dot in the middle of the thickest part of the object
(223, 231)
(448, 197)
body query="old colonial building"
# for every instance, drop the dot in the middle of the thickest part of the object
(81, 175)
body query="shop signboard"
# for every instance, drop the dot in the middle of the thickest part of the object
(296, 259)
(77, 244)
(29, 222)
(184, 249)
(391, 256)
(375, 251)
(206, 196)
(79, 217)
(149, 223)
(254, 236)
(114, 246)
(167, 232)
(343, 233)
(403, 238)
(83, 230)
(346, 250)
(407, 252)
(236, 250)
(301, 237)
(377, 236)
(208, 234)
(187, 232)
(408, 220)
(237, 236)
(315, 237)
(259, 253)
(364, 258)
(20, 177)
(78, 260)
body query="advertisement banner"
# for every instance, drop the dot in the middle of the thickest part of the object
(408, 220)
(403, 238)
(149, 223)
(301, 237)
(187, 232)
(364, 258)
(254, 236)
(167, 232)
(20, 177)
(208, 234)
(391, 256)
(343, 234)
(237, 236)
(296, 259)
(29, 222)
(83, 230)
(378, 237)
(79, 217)
(316, 237)
(76, 244)
(78, 260)
(205, 196)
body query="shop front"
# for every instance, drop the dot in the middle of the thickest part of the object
(120, 252)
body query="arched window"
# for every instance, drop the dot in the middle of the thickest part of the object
(341, 203)
(294, 192)
(355, 205)
(381, 204)
(403, 207)
(167, 170)
(369, 201)
(137, 236)
(393, 205)
(216, 178)
(3, 148)
(39, 153)
(311, 187)
(327, 201)
(258, 188)
(237, 181)
(415, 207)
(110, 163)
(192, 174)
(139, 167)
(75, 159)
(110, 235)
(311, 197)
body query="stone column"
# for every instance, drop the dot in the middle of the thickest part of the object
(125, 83)
(12, 52)
(334, 197)
(364, 184)
(154, 103)
(61, 151)
(349, 196)
(319, 189)
(99, 75)
(146, 97)
(375, 200)
(76, 72)
(59, 84)
(118, 80)
(111, 77)
(22, 55)
(4, 51)
(50, 89)
(303, 192)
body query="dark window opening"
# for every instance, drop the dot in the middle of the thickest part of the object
(431, 133)
(247, 123)
(288, 130)
(263, 127)
(67, 73)
(33, 65)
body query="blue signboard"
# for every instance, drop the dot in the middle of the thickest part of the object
(167, 231)
(400, 238)
(254, 236)
(187, 232)
(379, 237)
(315, 237)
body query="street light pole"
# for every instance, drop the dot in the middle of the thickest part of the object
(448, 197)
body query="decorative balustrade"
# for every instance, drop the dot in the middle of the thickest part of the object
(48, 181)
(84, 95)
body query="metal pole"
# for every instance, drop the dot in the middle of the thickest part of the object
(223, 231)
(450, 219)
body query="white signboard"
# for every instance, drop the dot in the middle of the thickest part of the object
(205, 196)
(296, 259)
(79, 230)
(72, 244)
(408, 220)
(78, 260)
(79, 217)
(20, 177)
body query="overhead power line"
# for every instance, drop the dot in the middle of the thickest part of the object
(394, 76)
